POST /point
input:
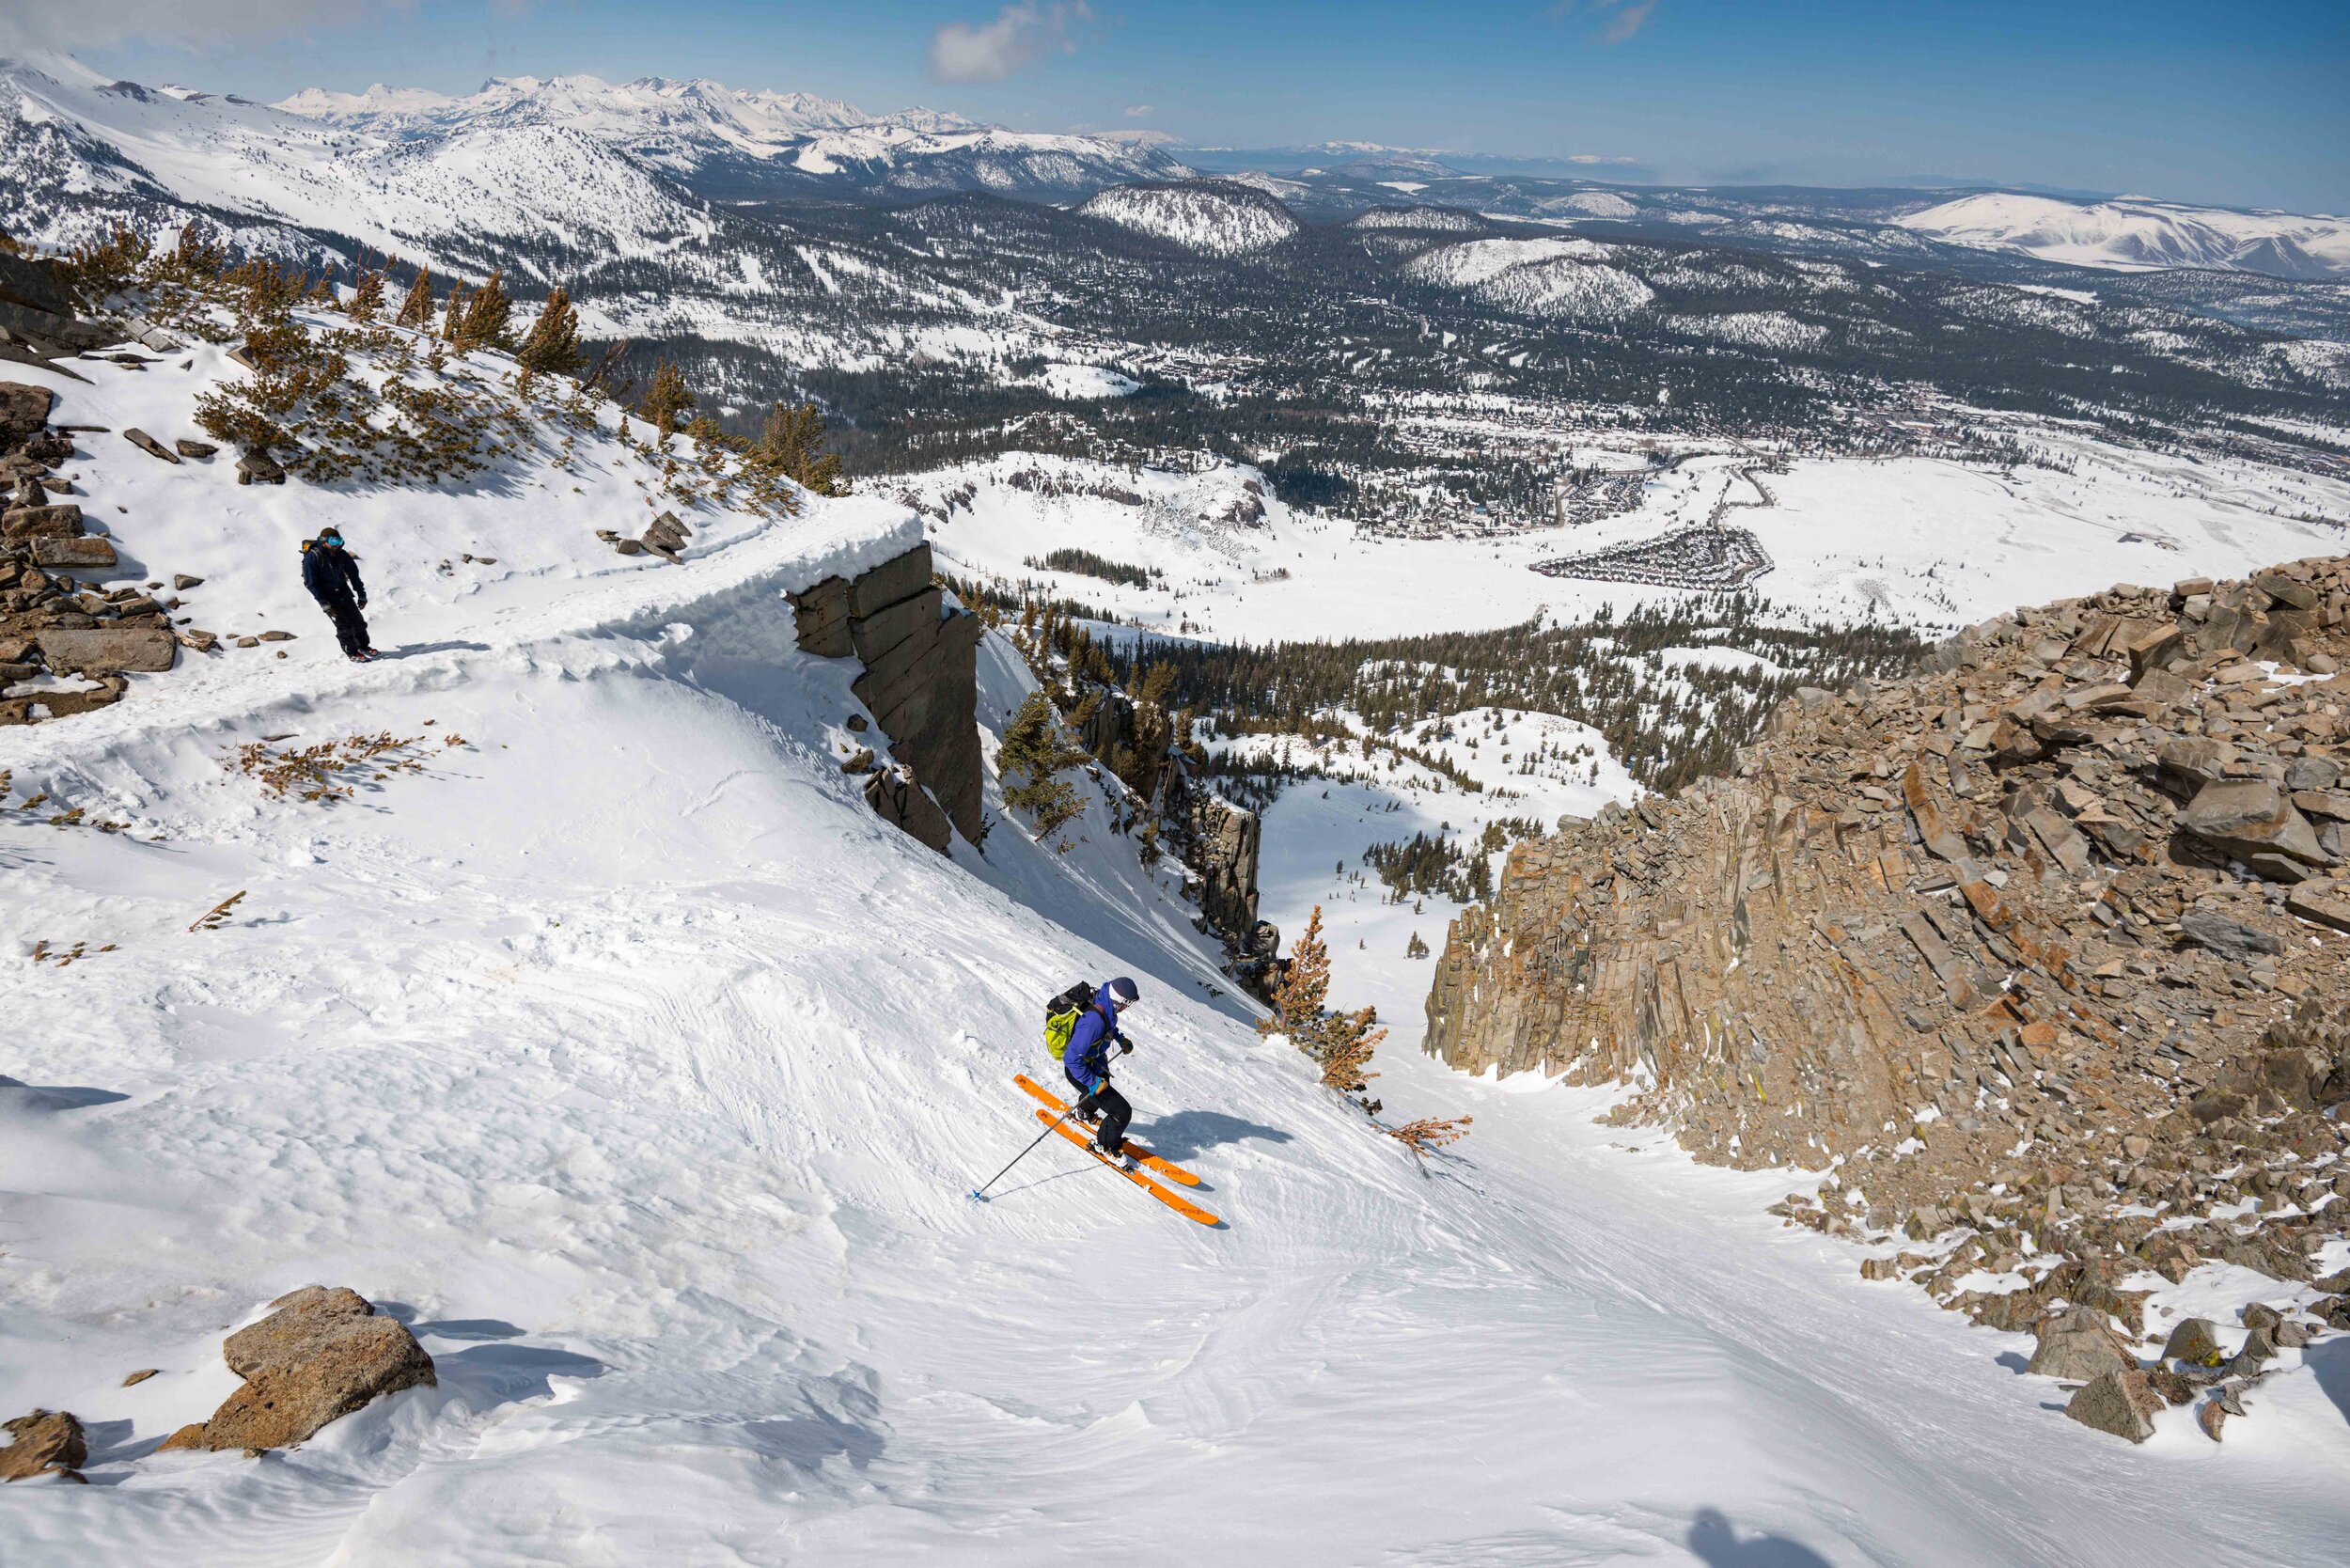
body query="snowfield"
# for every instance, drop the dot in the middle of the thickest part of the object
(2131, 233)
(1920, 541)
(1563, 278)
(621, 1052)
(1219, 217)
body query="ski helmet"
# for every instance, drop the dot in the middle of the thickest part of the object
(1122, 991)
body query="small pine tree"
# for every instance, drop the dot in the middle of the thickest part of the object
(487, 312)
(665, 399)
(1430, 1132)
(1345, 1049)
(367, 296)
(1415, 947)
(551, 347)
(416, 309)
(1036, 749)
(453, 317)
(791, 444)
(1298, 1002)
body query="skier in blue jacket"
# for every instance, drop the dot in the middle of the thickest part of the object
(1086, 1064)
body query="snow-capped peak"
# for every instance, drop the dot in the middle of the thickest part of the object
(2139, 232)
(1221, 218)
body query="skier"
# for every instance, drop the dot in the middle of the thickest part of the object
(333, 578)
(1086, 1065)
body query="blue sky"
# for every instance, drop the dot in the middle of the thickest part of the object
(2245, 103)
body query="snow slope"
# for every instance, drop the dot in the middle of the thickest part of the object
(2137, 233)
(627, 1057)
(1563, 278)
(1220, 217)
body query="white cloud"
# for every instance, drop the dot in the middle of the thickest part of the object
(1599, 158)
(1022, 34)
(1623, 17)
(1138, 111)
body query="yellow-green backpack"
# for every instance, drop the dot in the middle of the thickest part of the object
(1061, 1014)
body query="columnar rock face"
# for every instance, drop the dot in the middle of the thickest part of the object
(322, 1354)
(2043, 941)
(1224, 842)
(920, 680)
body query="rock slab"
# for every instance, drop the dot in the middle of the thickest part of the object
(322, 1354)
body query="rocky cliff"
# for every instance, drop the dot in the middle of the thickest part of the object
(2043, 949)
(920, 680)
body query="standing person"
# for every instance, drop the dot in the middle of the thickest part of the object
(333, 578)
(1086, 1064)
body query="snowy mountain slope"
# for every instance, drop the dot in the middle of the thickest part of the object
(736, 145)
(628, 1058)
(2136, 232)
(1563, 278)
(1218, 217)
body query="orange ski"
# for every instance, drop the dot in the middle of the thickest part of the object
(1167, 1169)
(1183, 1206)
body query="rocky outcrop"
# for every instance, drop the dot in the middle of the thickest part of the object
(47, 1442)
(920, 680)
(322, 1353)
(2033, 945)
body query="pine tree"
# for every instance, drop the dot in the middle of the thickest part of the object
(487, 312)
(453, 317)
(416, 309)
(1431, 1132)
(1036, 749)
(551, 347)
(792, 444)
(665, 399)
(1415, 947)
(1297, 1002)
(1345, 1049)
(367, 296)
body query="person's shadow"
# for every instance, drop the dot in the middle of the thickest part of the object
(1717, 1543)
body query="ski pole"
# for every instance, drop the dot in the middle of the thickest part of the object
(979, 1194)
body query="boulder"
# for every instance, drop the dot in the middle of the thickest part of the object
(24, 410)
(2078, 1344)
(2193, 1341)
(196, 449)
(62, 520)
(322, 1354)
(46, 1442)
(2322, 908)
(108, 650)
(2232, 938)
(2121, 1402)
(2248, 817)
(149, 445)
(88, 554)
(900, 801)
(33, 283)
(258, 467)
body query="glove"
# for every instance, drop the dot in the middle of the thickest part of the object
(1125, 1045)
(362, 600)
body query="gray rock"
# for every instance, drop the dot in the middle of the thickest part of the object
(2193, 1341)
(149, 445)
(24, 410)
(2121, 1402)
(2210, 929)
(2196, 759)
(108, 650)
(92, 555)
(258, 467)
(2312, 773)
(895, 796)
(2246, 817)
(2076, 1344)
(59, 520)
(182, 582)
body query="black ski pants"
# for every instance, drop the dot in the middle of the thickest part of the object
(350, 627)
(1115, 1112)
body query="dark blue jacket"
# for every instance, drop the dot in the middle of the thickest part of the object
(330, 574)
(1087, 1057)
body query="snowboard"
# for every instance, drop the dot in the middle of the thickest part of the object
(1167, 1169)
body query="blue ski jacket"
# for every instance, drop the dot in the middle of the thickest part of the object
(331, 575)
(1087, 1057)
